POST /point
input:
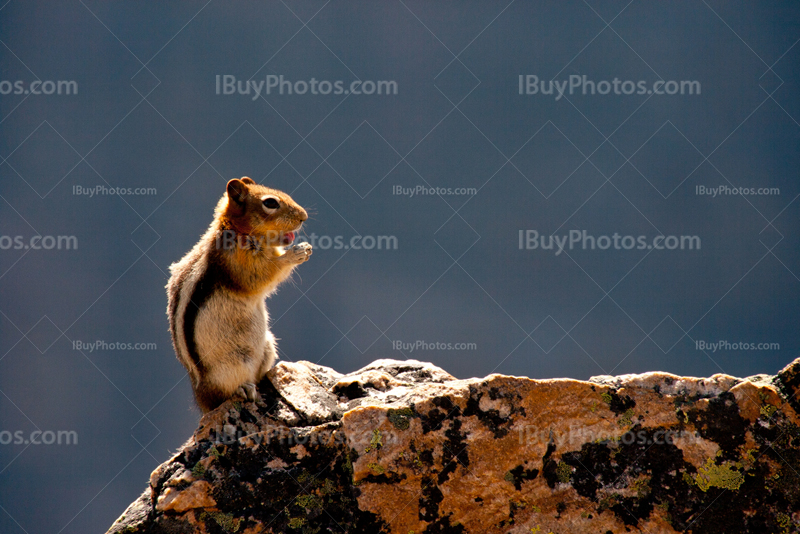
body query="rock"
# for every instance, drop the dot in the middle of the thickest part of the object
(788, 380)
(308, 395)
(137, 518)
(402, 446)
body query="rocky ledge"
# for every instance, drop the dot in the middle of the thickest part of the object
(404, 447)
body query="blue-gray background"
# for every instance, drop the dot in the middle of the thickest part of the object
(147, 115)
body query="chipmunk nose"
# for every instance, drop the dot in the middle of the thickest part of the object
(303, 215)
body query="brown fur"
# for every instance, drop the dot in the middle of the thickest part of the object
(218, 318)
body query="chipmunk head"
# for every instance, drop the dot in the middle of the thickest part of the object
(252, 209)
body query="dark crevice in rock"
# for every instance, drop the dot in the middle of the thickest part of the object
(720, 422)
(491, 418)
(454, 451)
(430, 497)
(618, 404)
(519, 474)
(351, 391)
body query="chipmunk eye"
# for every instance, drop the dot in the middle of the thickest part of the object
(271, 204)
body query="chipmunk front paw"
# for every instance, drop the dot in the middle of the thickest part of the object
(248, 391)
(298, 253)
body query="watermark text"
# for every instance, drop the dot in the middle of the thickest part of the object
(421, 190)
(39, 87)
(532, 240)
(530, 84)
(737, 345)
(102, 190)
(726, 190)
(276, 84)
(420, 345)
(39, 242)
(38, 437)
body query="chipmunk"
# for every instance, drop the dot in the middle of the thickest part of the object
(217, 315)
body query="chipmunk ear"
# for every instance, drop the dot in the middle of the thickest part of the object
(247, 180)
(237, 193)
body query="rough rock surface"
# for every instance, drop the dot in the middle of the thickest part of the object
(404, 447)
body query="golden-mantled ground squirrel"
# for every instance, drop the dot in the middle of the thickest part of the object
(217, 315)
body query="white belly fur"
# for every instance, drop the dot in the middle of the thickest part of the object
(232, 336)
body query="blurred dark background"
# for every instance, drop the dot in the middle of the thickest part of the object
(147, 115)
